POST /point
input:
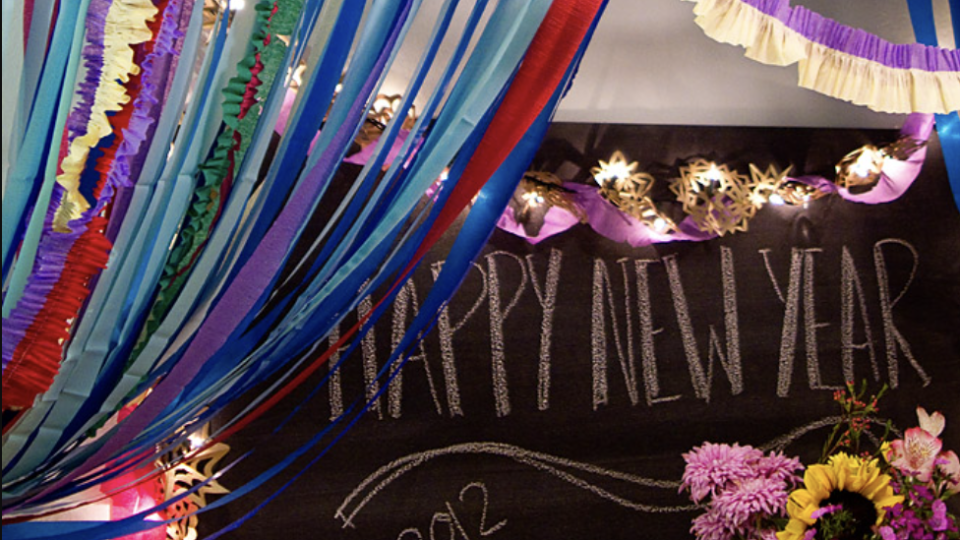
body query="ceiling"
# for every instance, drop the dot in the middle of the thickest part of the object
(649, 63)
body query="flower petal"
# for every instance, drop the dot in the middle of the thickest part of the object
(931, 423)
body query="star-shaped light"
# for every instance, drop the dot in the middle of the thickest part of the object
(719, 200)
(621, 184)
(861, 169)
(766, 184)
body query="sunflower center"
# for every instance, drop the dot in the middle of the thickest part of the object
(854, 521)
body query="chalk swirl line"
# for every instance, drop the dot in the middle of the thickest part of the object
(391, 472)
(374, 484)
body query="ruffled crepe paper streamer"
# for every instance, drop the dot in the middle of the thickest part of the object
(837, 60)
(504, 187)
(216, 173)
(63, 401)
(256, 275)
(51, 299)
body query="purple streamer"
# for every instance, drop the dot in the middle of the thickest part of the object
(607, 220)
(155, 76)
(896, 177)
(55, 247)
(555, 221)
(79, 119)
(856, 42)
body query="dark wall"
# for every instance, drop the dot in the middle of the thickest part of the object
(557, 406)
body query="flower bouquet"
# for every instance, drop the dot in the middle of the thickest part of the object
(897, 492)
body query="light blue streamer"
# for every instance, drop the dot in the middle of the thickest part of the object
(64, 53)
(92, 340)
(150, 238)
(13, 56)
(31, 241)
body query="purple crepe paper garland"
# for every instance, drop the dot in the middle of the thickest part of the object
(856, 42)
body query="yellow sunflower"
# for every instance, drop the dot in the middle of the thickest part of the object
(851, 482)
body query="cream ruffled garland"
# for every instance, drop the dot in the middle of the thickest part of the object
(838, 74)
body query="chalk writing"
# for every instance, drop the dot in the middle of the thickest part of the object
(894, 339)
(547, 296)
(852, 298)
(446, 332)
(404, 306)
(633, 304)
(455, 523)
(651, 377)
(498, 315)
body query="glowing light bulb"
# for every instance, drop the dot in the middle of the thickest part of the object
(660, 225)
(237, 5)
(381, 104)
(532, 198)
(196, 441)
(777, 200)
(714, 174)
(865, 165)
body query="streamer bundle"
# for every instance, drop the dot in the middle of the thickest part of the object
(155, 262)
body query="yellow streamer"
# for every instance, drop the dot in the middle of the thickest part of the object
(126, 25)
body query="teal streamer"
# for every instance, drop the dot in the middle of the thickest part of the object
(148, 241)
(95, 336)
(61, 64)
(28, 250)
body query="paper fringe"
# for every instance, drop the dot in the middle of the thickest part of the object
(33, 336)
(217, 172)
(125, 25)
(837, 60)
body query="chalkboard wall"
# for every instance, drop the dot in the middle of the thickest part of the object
(556, 395)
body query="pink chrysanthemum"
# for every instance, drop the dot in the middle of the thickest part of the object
(712, 467)
(780, 467)
(741, 503)
(712, 525)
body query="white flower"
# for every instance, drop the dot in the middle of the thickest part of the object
(931, 423)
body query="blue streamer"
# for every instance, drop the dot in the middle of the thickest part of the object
(948, 126)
